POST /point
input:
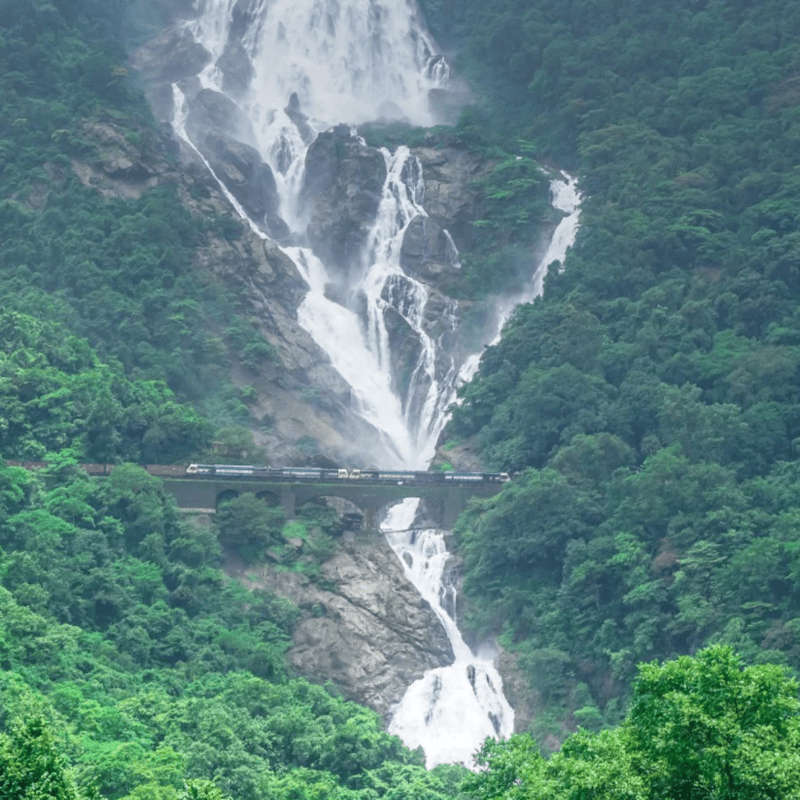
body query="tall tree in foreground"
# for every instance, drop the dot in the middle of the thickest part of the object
(698, 727)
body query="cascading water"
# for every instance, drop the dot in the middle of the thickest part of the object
(450, 710)
(302, 65)
(564, 197)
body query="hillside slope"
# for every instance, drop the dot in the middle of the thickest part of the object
(650, 399)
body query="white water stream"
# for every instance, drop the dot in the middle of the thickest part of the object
(350, 61)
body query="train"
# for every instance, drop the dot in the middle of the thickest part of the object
(322, 474)
(315, 474)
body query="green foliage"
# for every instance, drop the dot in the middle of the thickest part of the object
(118, 272)
(31, 766)
(163, 678)
(249, 525)
(55, 393)
(658, 374)
(698, 727)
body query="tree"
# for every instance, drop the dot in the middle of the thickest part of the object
(200, 790)
(32, 767)
(708, 727)
(249, 525)
(702, 727)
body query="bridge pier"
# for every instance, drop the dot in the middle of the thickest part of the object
(453, 503)
(288, 501)
(370, 514)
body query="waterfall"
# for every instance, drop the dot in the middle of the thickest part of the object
(290, 69)
(450, 710)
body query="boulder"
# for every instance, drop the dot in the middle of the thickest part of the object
(214, 112)
(170, 57)
(240, 19)
(242, 170)
(237, 69)
(342, 190)
(426, 251)
(300, 120)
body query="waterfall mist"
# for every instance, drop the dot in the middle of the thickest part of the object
(280, 74)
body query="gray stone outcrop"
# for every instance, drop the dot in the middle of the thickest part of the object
(342, 190)
(426, 252)
(242, 170)
(370, 633)
(451, 198)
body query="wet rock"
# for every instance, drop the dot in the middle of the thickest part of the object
(241, 18)
(237, 69)
(426, 251)
(406, 349)
(372, 636)
(300, 120)
(278, 230)
(241, 168)
(451, 198)
(171, 57)
(214, 112)
(342, 190)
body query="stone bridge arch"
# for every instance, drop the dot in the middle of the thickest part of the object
(351, 514)
(271, 498)
(443, 502)
(225, 496)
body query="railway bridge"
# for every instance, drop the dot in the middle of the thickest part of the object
(443, 502)
(201, 488)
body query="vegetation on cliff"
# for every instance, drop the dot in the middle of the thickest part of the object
(115, 271)
(650, 398)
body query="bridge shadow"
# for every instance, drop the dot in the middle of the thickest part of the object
(272, 499)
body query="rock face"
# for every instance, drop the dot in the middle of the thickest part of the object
(214, 112)
(426, 252)
(451, 199)
(371, 635)
(247, 178)
(237, 70)
(237, 164)
(342, 190)
(172, 56)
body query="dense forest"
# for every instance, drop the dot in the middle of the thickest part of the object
(648, 402)
(130, 666)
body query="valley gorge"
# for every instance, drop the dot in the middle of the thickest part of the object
(325, 235)
(365, 365)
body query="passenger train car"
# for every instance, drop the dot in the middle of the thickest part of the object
(367, 475)
(315, 474)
